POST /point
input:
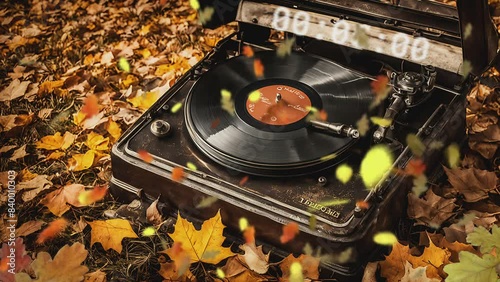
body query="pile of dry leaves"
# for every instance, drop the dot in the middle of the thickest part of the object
(74, 75)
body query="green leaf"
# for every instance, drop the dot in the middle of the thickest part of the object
(472, 268)
(486, 240)
(124, 65)
(415, 144)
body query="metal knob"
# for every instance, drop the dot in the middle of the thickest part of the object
(160, 128)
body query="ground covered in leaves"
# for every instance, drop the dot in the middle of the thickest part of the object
(74, 75)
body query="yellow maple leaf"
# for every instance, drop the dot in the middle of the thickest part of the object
(97, 142)
(203, 245)
(56, 141)
(110, 233)
(81, 162)
(145, 100)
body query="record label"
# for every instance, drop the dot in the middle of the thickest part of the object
(279, 105)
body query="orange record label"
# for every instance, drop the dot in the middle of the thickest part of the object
(279, 105)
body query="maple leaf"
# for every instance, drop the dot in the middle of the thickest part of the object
(56, 141)
(309, 265)
(289, 231)
(53, 230)
(486, 240)
(432, 210)
(473, 268)
(22, 260)
(168, 271)
(236, 271)
(416, 274)
(113, 129)
(57, 201)
(203, 245)
(110, 233)
(60, 268)
(473, 183)
(254, 257)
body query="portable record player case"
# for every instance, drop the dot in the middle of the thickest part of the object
(294, 183)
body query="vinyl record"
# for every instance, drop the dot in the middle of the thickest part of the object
(272, 136)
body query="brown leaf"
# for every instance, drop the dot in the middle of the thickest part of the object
(255, 258)
(168, 271)
(29, 228)
(15, 90)
(152, 214)
(37, 184)
(431, 210)
(57, 201)
(370, 272)
(417, 274)
(19, 153)
(22, 260)
(60, 268)
(7, 123)
(473, 183)
(96, 276)
(309, 264)
(49, 86)
(440, 241)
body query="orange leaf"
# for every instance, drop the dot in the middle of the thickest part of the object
(247, 51)
(91, 196)
(379, 86)
(180, 257)
(177, 174)
(258, 68)
(145, 156)
(244, 180)
(249, 234)
(91, 106)
(289, 232)
(55, 227)
(323, 115)
(415, 167)
(362, 205)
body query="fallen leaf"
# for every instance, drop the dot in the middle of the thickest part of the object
(29, 228)
(433, 258)
(15, 90)
(53, 230)
(57, 201)
(49, 86)
(180, 257)
(35, 185)
(97, 142)
(473, 268)
(113, 129)
(56, 141)
(203, 245)
(473, 183)
(144, 101)
(416, 274)
(419, 185)
(309, 265)
(431, 210)
(484, 239)
(10, 122)
(96, 276)
(19, 153)
(79, 162)
(21, 261)
(110, 233)
(168, 271)
(289, 231)
(60, 268)
(254, 258)
(153, 214)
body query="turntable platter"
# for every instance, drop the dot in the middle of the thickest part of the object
(271, 136)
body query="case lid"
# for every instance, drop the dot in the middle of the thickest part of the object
(424, 32)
